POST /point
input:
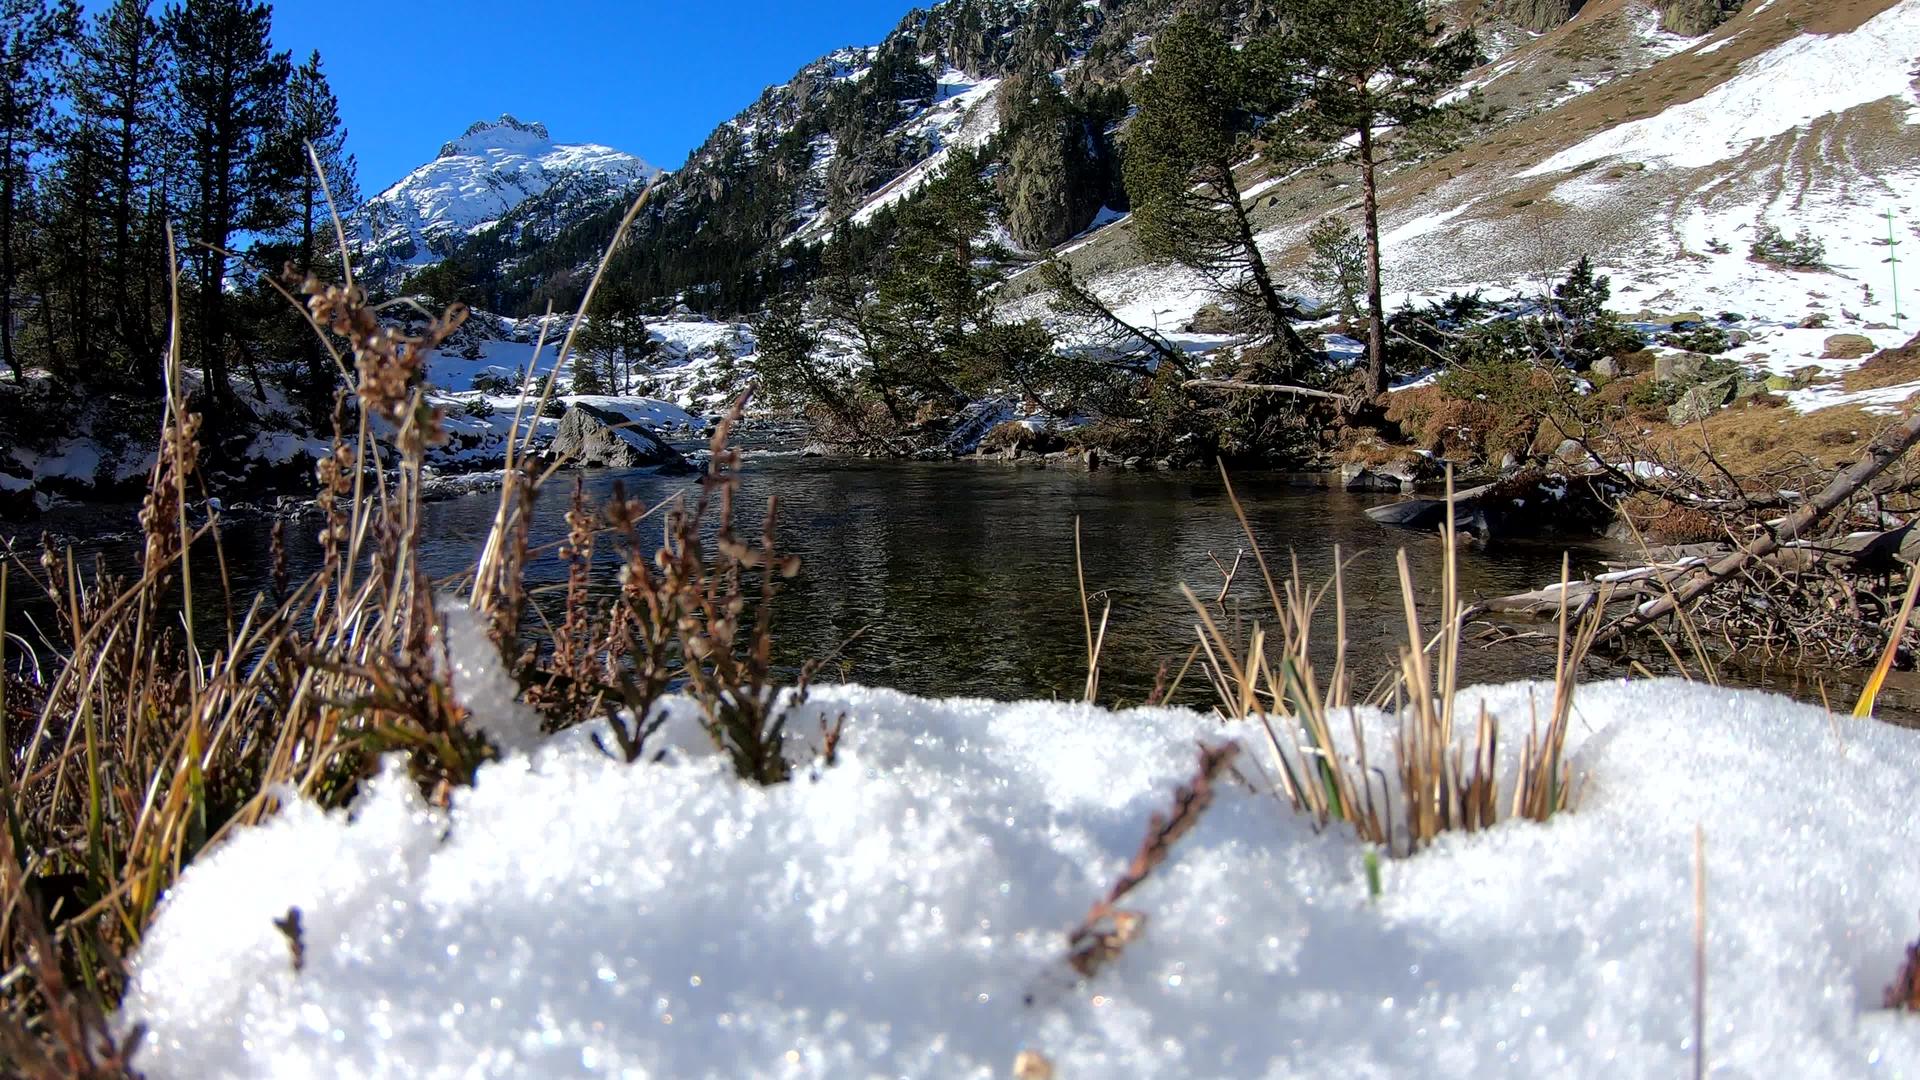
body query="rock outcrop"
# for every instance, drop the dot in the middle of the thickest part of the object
(593, 437)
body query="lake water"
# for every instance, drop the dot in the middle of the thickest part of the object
(960, 576)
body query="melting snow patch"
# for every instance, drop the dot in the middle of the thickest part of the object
(1805, 78)
(571, 915)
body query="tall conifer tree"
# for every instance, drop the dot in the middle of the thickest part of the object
(35, 37)
(232, 103)
(120, 87)
(1377, 72)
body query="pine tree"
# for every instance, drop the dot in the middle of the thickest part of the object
(232, 89)
(312, 119)
(786, 362)
(1364, 69)
(1337, 265)
(119, 87)
(35, 37)
(586, 372)
(72, 223)
(1199, 108)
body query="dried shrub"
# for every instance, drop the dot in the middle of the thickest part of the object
(137, 748)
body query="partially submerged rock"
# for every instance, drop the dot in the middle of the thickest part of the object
(1399, 477)
(593, 437)
(1530, 503)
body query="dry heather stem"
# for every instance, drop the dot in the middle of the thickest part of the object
(1107, 929)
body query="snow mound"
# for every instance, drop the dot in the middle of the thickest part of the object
(903, 911)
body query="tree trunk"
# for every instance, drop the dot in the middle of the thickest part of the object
(1283, 330)
(1376, 307)
(8, 271)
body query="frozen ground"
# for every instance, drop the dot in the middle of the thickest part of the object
(903, 912)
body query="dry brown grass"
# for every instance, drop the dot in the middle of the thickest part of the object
(1754, 439)
(1890, 367)
(1461, 429)
(1444, 769)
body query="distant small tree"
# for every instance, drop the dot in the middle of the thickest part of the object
(586, 373)
(1804, 252)
(446, 282)
(1583, 295)
(1364, 70)
(1337, 265)
(1583, 329)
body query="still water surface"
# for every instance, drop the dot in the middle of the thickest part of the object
(960, 576)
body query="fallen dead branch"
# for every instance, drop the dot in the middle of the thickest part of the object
(1888, 448)
(1264, 388)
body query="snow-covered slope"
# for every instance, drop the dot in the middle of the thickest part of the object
(479, 180)
(1661, 156)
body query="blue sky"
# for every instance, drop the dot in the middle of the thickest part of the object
(652, 78)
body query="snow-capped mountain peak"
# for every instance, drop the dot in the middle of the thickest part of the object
(502, 173)
(504, 133)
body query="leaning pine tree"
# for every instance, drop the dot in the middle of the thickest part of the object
(1199, 110)
(1373, 77)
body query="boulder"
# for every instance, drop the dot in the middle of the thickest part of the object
(1606, 367)
(593, 437)
(1394, 476)
(1679, 366)
(1702, 401)
(1848, 347)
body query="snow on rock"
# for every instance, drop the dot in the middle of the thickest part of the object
(903, 911)
(1810, 76)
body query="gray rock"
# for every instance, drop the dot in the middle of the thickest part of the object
(1701, 402)
(1607, 367)
(592, 437)
(1680, 366)
(1357, 477)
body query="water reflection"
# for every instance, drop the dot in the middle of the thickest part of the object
(962, 575)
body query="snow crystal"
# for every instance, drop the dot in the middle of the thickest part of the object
(480, 682)
(894, 914)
